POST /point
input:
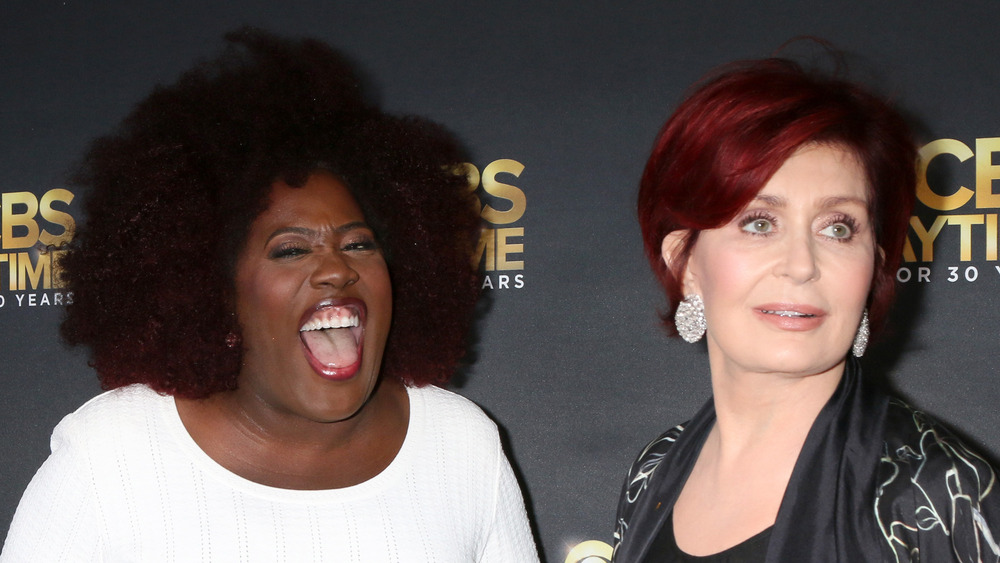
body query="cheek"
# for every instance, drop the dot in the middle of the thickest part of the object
(718, 275)
(261, 294)
(854, 280)
(380, 287)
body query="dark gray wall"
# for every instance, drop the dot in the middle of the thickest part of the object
(572, 365)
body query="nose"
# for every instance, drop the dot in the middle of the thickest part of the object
(334, 270)
(798, 261)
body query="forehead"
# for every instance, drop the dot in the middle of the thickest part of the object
(818, 171)
(324, 199)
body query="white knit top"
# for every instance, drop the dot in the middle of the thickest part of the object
(125, 482)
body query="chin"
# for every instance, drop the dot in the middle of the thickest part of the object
(340, 401)
(802, 361)
(338, 413)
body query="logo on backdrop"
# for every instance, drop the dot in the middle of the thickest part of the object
(963, 215)
(32, 229)
(502, 204)
(590, 551)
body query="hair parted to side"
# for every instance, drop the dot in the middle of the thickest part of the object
(735, 130)
(173, 191)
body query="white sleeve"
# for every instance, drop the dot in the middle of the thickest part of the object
(509, 538)
(57, 518)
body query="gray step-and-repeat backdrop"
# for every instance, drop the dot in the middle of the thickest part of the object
(557, 103)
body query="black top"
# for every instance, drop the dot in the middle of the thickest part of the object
(875, 481)
(664, 549)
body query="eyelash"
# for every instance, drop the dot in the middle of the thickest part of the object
(757, 216)
(293, 249)
(365, 243)
(287, 250)
(846, 220)
(839, 219)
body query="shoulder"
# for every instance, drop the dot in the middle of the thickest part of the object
(645, 464)
(451, 428)
(110, 416)
(448, 409)
(123, 429)
(456, 447)
(936, 496)
(638, 479)
(76, 496)
(928, 448)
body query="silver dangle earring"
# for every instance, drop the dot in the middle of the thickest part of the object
(690, 318)
(861, 338)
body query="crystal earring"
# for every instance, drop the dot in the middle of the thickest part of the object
(861, 338)
(690, 318)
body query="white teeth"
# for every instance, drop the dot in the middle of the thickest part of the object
(786, 313)
(332, 319)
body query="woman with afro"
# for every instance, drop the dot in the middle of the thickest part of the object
(273, 278)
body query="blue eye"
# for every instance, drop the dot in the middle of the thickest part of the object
(840, 228)
(838, 231)
(757, 225)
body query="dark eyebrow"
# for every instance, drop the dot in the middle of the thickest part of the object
(306, 232)
(351, 226)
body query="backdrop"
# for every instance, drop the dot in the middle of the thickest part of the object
(557, 103)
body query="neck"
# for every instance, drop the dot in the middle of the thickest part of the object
(765, 408)
(281, 450)
(258, 419)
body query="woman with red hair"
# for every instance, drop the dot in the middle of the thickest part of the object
(774, 210)
(273, 278)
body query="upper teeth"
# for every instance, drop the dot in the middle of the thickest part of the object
(787, 313)
(321, 322)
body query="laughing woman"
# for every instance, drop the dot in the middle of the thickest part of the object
(273, 277)
(774, 210)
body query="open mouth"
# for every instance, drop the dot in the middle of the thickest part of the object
(794, 317)
(790, 314)
(333, 336)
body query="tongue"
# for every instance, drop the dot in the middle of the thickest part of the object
(334, 347)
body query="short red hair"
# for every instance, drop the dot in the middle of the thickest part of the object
(737, 128)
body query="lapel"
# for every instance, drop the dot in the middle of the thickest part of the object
(657, 503)
(826, 513)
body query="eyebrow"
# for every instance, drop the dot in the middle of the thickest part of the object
(776, 201)
(306, 232)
